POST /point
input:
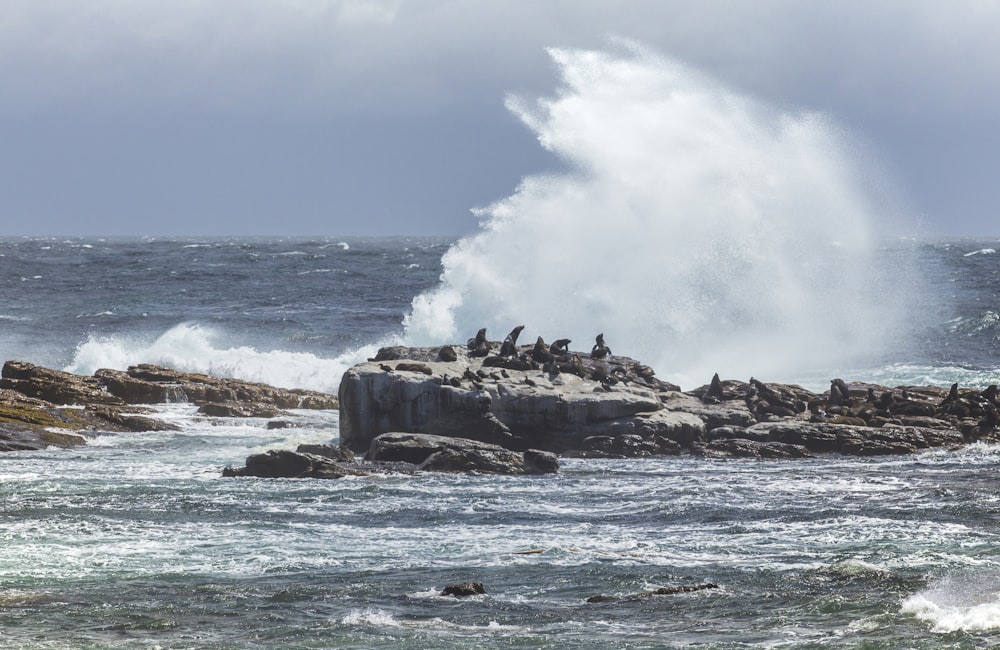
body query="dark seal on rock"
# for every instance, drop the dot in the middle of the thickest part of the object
(479, 346)
(540, 353)
(600, 349)
(415, 367)
(509, 346)
(447, 353)
(715, 393)
(559, 347)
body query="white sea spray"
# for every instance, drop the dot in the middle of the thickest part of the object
(699, 229)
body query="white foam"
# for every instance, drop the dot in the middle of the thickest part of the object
(952, 605)
(699, 230)
(377, 617)
(981, 251)
(191, 347)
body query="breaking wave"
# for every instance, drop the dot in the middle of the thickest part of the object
(698, 229)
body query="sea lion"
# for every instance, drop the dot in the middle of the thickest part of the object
(714, 394)
(843, 389)
(559, 347)
(479, 346)
(540, 352)
(885, 401)
(600, 350)
(837, 397)
(509, 347)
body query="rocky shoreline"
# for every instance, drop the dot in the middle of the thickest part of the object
(606, 406)
(41, 407)
(467, 409)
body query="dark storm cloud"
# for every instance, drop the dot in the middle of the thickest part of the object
(354, 116)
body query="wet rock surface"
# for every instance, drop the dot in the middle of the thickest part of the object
(397, 452)
(40, 406)
(576, 404)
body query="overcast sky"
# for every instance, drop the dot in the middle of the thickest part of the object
(341, 117)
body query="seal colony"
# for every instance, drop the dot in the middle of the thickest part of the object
(465, 408)
(598, 404)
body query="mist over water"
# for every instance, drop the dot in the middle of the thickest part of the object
(700, 230)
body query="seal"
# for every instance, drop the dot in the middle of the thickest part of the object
(714, 394)
(600, 350)
(479, 346)
(540, 352)
(559, 347)
(509, 347)
(840, 393)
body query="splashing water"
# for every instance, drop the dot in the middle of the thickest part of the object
(194, 348)
(700, 230)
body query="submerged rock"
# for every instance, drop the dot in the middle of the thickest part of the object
(464, 589)
(662, 591)
(279, 463)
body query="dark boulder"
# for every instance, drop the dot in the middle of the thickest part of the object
(540, 462)
(741, 448)
(282, 463)
(444, 454)
(464, 589)
(333, 452)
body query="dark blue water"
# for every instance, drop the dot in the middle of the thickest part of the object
(135, 541)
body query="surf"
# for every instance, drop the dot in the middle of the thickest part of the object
(699, 229)
(192, 347)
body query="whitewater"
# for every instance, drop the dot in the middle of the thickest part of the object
(701, 231)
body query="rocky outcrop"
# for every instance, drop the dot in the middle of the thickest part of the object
(41, 407)
(32, 423)
(575, 405)
(150, 384)
(397, 452)
(54, 386)
(513, 402)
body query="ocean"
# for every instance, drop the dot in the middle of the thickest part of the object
(136, 541)
(700, 231)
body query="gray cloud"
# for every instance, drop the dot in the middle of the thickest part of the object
(393, 110)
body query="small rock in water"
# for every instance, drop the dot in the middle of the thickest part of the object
(464, 589)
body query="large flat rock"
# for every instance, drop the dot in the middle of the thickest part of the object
(517, 405)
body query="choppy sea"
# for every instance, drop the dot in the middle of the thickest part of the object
(136, 541)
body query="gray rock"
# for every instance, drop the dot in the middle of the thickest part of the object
(444, 454)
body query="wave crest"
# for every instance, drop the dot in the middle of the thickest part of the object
(700, 230)
(191, 347)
